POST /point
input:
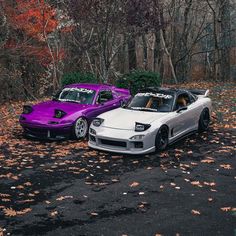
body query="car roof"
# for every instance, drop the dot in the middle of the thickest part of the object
(89, 86)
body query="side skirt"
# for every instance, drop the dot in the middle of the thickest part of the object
(182, 137)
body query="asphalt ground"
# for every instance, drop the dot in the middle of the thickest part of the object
(64, 188)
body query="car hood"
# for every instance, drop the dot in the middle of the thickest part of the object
(47, 108)
(125, 119)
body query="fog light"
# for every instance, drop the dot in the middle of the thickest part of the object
(92, 138)
(138, 144)
(137, 137)
(92, 131)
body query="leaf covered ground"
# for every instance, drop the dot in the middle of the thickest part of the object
(59, 188)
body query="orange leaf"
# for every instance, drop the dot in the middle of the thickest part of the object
(195, 212)
(225, 208)
(134, 184)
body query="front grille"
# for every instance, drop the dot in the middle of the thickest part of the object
(113, 143)
(44, 133)
(41, 133)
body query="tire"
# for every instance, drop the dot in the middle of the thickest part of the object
(162, 139)
(204, 120)
(80, 128)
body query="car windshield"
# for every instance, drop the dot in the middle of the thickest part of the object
(153, 102)
(77, 95)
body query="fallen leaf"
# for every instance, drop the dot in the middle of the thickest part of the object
(208, 161)
(225, 208)
(134, 184)
(195, 212)
(226, 166)
(24, 211)
(209, 183)
(94, 214)
(9, 212)
(63, 198)
(54, 213)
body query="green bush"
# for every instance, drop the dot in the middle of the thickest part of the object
(78, 77)
(137, 80)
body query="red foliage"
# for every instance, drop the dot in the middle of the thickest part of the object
(36, 19)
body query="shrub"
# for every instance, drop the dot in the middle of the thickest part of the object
(78, 77)
(137, 80)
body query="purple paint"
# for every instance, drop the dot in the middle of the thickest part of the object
(73, 102)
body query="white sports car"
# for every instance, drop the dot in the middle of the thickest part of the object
(154, 118)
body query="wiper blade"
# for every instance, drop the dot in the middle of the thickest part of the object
(151, 110)
(143, 109)
(71, 101)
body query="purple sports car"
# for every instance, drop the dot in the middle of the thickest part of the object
(71, 111)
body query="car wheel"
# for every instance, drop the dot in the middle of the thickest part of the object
(161, 139)
(80, 128)
(204, 120)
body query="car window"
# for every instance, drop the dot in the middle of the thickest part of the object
(77, 95)
(183, 100)
(104, 96)
(156, 102)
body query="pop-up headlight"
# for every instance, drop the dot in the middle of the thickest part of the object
(59, 114)
(97, 122)
(139, 127)
(27, 109)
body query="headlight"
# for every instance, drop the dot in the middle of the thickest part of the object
(137, 137)
(59, 114)
(139, 127)
(97, 122)
(27, 109)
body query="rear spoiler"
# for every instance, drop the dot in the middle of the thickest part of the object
(122, 91)
(201, 92)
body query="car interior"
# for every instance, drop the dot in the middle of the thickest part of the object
(183, 100)
(104, 96)
(159, 104)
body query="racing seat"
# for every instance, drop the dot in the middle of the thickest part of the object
(181, 102)
(153, 103)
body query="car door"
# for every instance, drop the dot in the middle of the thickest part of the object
(106, 101)
(183, 116)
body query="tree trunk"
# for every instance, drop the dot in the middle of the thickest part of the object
(132, 54)
(169, 57)
(139, 49)
(225, 40)
(150, 39)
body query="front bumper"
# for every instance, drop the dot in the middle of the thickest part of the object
(118, 141)
(47, 132)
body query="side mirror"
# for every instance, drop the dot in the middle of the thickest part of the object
(54, 97)
(123, 104)
(182, 109)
